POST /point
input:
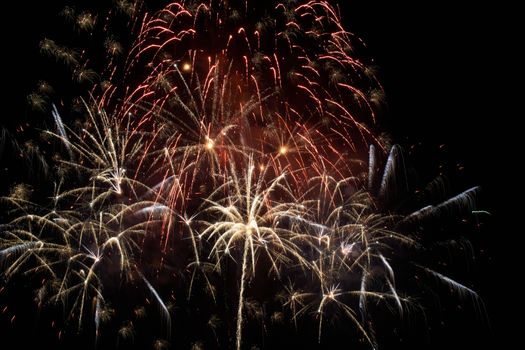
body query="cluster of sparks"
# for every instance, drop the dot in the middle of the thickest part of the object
(241, 145)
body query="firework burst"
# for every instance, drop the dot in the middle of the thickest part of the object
(231, 134)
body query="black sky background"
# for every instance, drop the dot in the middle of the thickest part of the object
(444, 68)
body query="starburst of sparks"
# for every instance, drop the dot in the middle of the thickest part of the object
(242, 145)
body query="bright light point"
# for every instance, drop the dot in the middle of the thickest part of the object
(283, 150)
(210, 144)
(251, 227)
(186, 67)
(261, 167)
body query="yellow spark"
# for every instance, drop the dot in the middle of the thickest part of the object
(252, 225)
(210, 144)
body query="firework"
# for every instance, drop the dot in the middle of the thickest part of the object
(231, 134)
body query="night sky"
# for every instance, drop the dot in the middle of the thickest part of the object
(440, 64)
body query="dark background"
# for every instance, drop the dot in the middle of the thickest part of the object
(447, 72)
